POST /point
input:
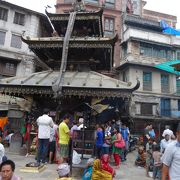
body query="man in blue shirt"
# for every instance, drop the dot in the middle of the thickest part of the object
(125, 134)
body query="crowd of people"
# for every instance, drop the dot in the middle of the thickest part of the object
(160, 158)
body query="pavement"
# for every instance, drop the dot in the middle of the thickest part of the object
(127, 170)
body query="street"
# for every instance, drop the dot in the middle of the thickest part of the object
(127, 170)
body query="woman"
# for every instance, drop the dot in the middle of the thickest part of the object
(102, 169)
(117, 137)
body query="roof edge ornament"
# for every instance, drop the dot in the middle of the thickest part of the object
(136, 87)
(79, 6)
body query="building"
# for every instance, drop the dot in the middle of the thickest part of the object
(15, 56)
(143, 47)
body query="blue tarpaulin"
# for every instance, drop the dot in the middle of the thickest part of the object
(169, 30)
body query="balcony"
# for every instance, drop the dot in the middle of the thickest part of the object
(138, 21)
(145, 36)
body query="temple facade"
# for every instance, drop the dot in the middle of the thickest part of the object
(79, 55)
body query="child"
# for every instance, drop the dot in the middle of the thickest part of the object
(107, 144)
(141, 160)
(88, 171)
(157, 162)
(149, 158)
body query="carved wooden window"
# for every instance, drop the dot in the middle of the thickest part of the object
(2, 37)
(109, 26)
(147, 81)
(3, 14)
(16, 41)
(19, 18)
(164, 83)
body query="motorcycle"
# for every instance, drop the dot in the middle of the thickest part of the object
(132, 143)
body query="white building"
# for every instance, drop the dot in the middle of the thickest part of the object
(143, 46)
(15, 57)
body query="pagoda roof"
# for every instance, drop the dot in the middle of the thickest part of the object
(58, 41)
(50, 49)
(75, 84)
(81, 15)
(88, 19)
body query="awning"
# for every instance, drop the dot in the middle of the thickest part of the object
(169, 66)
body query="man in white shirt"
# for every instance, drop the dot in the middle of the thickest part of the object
(171, 159)
(2, 152)
(44, 123)
(165, 142)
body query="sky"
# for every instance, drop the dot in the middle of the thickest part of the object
(165, 6)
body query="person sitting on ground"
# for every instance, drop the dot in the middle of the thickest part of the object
(141, 158)
(102, 169)
(149, 158)
(87, 175)
(63, 172)
(7, 171)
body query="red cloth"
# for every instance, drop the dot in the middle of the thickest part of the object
(105, 164)
(117, 159)
(27, 134)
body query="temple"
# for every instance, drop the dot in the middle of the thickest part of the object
(80, 60)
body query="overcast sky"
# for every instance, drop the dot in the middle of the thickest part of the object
(164, 6)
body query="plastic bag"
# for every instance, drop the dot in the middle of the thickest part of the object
(76, 158)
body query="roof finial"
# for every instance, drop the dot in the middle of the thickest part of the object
(79, 5)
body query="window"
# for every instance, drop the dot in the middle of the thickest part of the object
(19, 18)
(155, 51)
(110, 3)
(147, 81)
(16, 41)
(3, 14)
(178, 86)
(109, 26)
(165, 107)
(164, 83)
(178, 104)
(8, 68)
(2, 37)
(146, 109)
(178, 55)
(92, 1)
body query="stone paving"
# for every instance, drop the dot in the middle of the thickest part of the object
(127, 170)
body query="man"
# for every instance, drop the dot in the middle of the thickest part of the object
(2, 153)
(64, 137)
(171, 159)
(7, 171)
(125, 134)
(52, 143)
(165, 142)
(44, 123)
